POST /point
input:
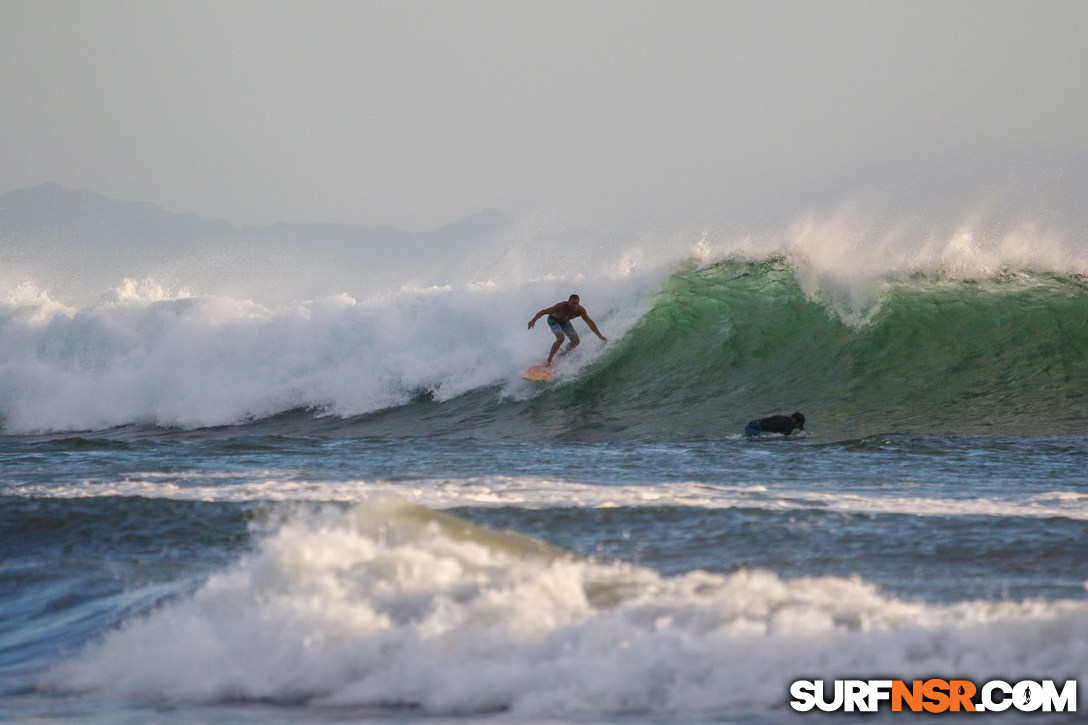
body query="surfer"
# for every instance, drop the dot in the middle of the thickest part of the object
(784, 424)
(559, 317)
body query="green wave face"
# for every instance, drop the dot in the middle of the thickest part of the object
(735, 341)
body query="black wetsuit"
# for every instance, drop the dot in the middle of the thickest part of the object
(775, 424)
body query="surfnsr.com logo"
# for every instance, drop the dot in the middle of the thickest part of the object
(933, 695)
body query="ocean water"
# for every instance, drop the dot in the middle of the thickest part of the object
(349, 507)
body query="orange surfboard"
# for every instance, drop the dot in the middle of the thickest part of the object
(538, 372)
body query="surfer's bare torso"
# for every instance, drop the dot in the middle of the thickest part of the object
(566, 311)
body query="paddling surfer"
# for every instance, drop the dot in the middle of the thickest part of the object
(784, 424)
(559, 317)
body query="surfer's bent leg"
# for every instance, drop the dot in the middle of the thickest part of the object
(555, 346)
(560, 329)
(564, 328)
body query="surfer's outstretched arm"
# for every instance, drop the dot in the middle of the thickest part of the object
(537, 316)
(593, 326)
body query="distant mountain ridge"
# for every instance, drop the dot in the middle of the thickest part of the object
(82, 242)
(49, 204)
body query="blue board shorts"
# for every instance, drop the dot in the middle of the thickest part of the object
(560, 328)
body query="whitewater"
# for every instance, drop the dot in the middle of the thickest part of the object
(292, 474)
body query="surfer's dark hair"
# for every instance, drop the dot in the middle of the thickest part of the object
(799, 418)
(573, 297)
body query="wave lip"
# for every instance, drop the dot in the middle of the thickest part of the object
(391, 605)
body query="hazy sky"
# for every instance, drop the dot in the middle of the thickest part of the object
(419, 113)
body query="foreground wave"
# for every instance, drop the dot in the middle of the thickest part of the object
(390, 605)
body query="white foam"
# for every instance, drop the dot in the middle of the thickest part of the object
(537, 492)
(142, 354)
(387, 604)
